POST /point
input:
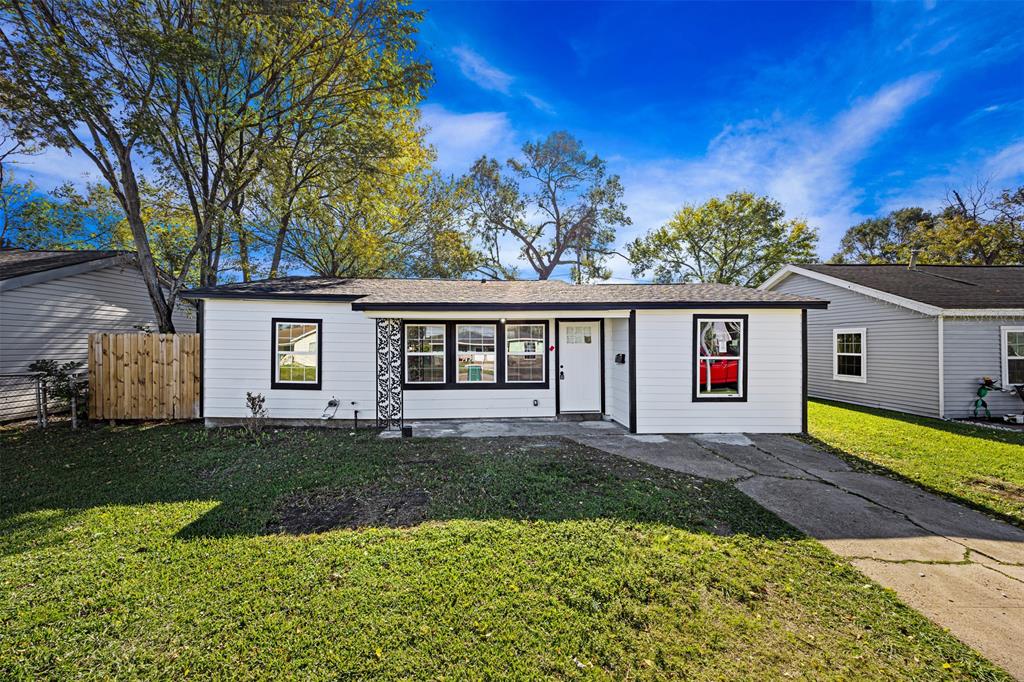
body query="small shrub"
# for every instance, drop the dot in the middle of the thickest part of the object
(57, 377)
(256, 422)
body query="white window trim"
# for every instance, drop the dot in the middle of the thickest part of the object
(836, 376)
(278, 353)
(1004, 352)
(740, 366)
(541, 353)
(494, 380)
(443, 352)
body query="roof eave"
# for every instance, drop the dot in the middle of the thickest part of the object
(60, 271)
(200, 294)
(923, 308)
(604, 305)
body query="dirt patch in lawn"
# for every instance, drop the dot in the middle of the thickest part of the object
(319, 511)
(995, 486)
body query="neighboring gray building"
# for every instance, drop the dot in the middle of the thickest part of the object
(914, 339)
(51, 300)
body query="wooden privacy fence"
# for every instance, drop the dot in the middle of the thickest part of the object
(143, 376)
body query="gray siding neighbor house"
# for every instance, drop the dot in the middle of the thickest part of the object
(912, 339)
(51, 300)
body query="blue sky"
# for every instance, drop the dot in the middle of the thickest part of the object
(839, 111)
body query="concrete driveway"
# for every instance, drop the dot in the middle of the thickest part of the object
(957, 566)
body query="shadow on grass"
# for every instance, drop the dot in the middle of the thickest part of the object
(956, 428)
(309, 480)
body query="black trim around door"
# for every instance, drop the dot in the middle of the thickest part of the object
(744, 366)
(558, 365)
(632, 371)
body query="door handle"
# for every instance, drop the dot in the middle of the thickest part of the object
(561, 375)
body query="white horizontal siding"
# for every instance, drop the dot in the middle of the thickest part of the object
(902, 349)
(238, 359)
(972, 349)
(53, 319)
(664, 375)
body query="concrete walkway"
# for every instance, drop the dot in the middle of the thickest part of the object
(960, 568)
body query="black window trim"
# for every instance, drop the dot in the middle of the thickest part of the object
(290, 385)
(695, 366)
(451, 366)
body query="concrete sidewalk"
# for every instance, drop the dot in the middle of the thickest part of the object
(960, 568)
(957, 566)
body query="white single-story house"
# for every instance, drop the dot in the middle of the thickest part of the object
(914, 339)
(673, 358)
(49, 303)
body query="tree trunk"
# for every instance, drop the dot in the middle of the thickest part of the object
(282, 233)
(133, 211)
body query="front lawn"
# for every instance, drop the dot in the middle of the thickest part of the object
(175, 552)
(984, 467)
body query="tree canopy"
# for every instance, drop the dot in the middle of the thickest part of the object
(553, 206)
(739, 239)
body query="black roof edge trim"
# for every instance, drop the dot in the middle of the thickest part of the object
(611, 305)
(199, 293)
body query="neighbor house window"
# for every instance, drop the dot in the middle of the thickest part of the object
(849, 355)
(1013, 356)
(296, 354)
(720, 357)
(476, 353)
(524, 353)
(424, 353)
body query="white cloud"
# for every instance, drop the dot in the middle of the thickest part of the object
(480, 71)
(1007, 163)
(460, 139)
(52, 167)
(808, 168)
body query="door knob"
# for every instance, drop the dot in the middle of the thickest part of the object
(561, 375)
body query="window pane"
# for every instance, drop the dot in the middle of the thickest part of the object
(424, 338)
(578, 334)
(848, 365)
(848, 343)
(718, 377)
(477, 367)
(525, 368)
(524, 338)
(425, 368)
(296, 336)
(720, 338)
(1015, 344)
(1015, 368)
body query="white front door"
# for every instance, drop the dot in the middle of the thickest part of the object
(579, 366)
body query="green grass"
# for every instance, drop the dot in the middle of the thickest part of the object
(142, 551)
(982, 467)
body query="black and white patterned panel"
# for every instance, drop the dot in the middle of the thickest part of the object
(389, 373)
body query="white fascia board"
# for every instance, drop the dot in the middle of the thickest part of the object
(66, 271)
(493, 314)
(908, 303)
(983, 312)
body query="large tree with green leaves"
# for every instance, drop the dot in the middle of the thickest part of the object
(888, 239)
(739, 239)
(206, 90)
(553, 206)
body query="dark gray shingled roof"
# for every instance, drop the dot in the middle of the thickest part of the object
(395, 294)
(17, 262)
(944, 286)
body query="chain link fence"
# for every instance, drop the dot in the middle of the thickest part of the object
(30, 395)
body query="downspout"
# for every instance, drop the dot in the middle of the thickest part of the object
(942, 370)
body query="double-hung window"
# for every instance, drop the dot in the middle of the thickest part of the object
(476, 353)
(524, 353)
(720, 367)
(297, 354)
(425, 353)
(849, 355)
(1013, 355)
